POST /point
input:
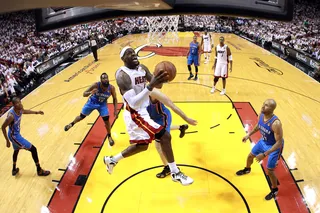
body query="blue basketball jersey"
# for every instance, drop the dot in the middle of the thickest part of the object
(100, 97)
(194, 48)
(14, 127)
(157, 112)
(266, 130)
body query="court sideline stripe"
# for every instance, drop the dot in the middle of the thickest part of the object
(55, 190)
(284, 204)
(71, 201)
(91, 167)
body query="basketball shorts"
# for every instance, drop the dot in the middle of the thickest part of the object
(89, 107)
(193, 59)
(206, 48)
(164, 120)
(221, 70)
(273, 157)
(18, 142)
(140, 127)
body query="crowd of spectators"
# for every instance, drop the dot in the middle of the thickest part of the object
(303, 33)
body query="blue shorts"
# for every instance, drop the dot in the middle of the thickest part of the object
(89, 107)
(18, 142)
(166, 120)
(193, 59)
(273, 157)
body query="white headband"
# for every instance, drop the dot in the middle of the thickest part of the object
(124, 50)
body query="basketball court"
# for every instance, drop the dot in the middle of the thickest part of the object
(210, 152)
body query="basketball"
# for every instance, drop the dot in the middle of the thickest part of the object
(167, 67)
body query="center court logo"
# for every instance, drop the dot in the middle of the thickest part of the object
(158, 49)
(263, 64)
(138, 49)
(84, 69)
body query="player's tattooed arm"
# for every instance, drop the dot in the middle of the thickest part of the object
(123, 82)
(91, 90)
(148, 73)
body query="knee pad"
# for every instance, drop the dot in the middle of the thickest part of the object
(159, 135)
(106, 118)
(82, 116)
(216, 79)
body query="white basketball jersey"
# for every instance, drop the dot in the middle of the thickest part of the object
(206, 40)
(222, 55)
(138, 83)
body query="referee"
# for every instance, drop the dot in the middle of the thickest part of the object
(94, 47)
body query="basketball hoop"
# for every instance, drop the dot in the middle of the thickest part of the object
(163, 29)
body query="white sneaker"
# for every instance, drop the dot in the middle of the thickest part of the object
(223, 92)
(182, 178)
(213, 89)
(110, 163)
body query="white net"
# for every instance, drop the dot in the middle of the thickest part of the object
(163, 29)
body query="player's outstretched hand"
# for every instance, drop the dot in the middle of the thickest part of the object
(191, 121)
(41, 112)
(158, 79)
(245, 138)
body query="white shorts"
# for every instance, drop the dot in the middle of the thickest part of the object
(221, 70)
(207, 48)
(141, 128)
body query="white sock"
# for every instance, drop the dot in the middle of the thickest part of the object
(118, 157)
(173, 167)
